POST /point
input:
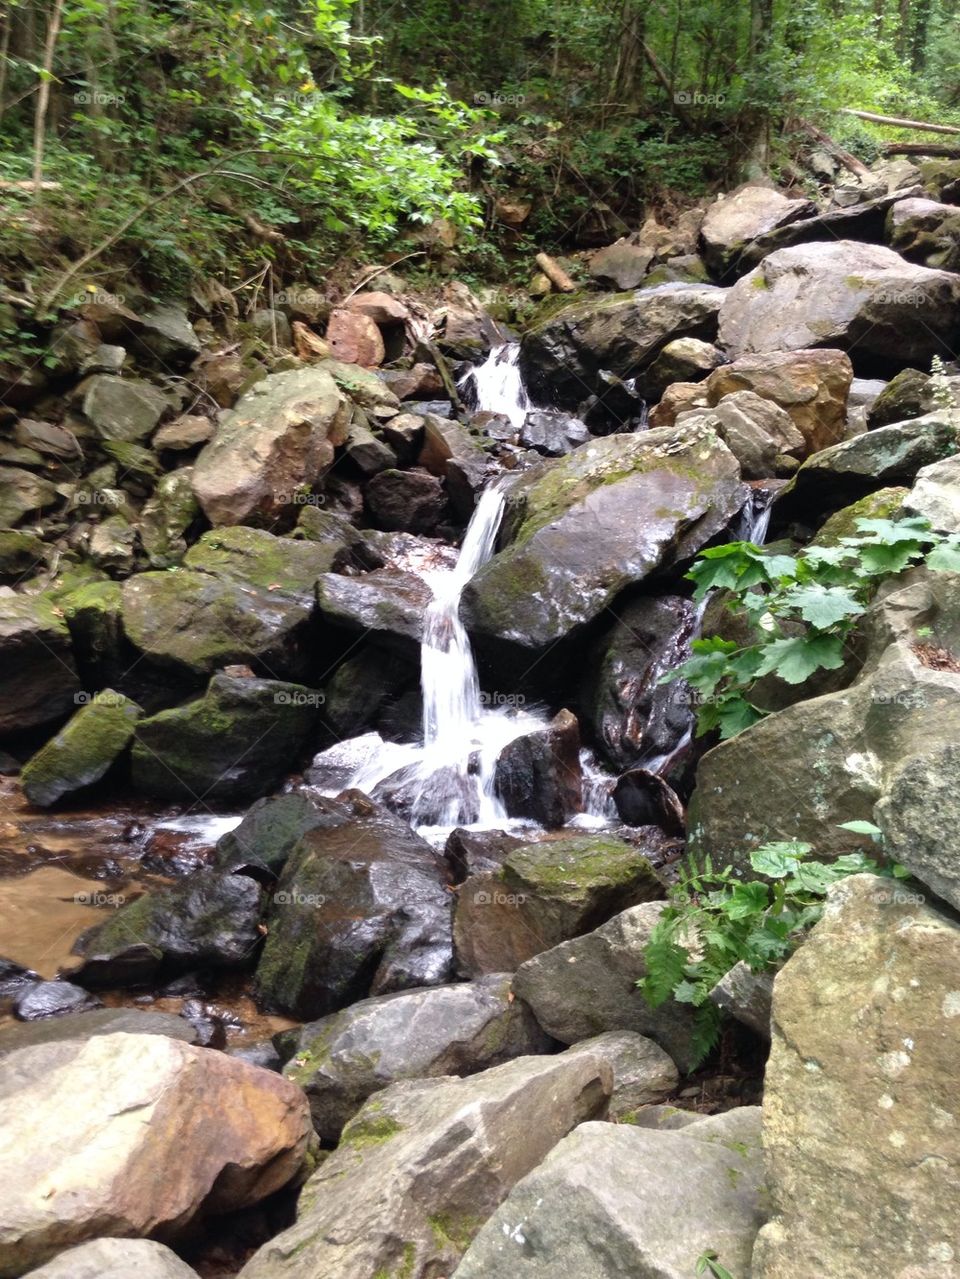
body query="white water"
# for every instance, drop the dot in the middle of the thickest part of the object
(498, 386)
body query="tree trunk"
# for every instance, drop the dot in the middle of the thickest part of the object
(43, 96)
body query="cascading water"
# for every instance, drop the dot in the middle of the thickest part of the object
(497, 385)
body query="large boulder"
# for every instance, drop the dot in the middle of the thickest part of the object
(83, 751)
(116, 1259)
(612, 1200)
(860, 297)
(562, 357)
(735, 219)
(936, 495)
(361, 908)
(207, 921)
(122, 408)
(139, 1135)
(588, 985)
(538, 774)
(191, 624)
(41, 684)
(387, 604)
(601, 519)
(343, 1059)
(279, 438)
(811, 386)
(79, 1027)
(405, 501)
(235, 742)
(861, 1145)
(643, 1074)
(424, 1164)
(636, 720)
(925, 231)
(254, 557)
(543, 894)
(271, 829)
(759, 434)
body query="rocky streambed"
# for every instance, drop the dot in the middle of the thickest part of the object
(344, 790)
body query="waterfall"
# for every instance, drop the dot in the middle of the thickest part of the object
(497, 385)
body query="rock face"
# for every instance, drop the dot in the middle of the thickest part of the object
(207, 921)
(925, 231)
(613, 1200)
(759, 434)
(936, 495)
(424, 1164)
(866, 1026)
(343, 1059)
(561, 359)
(538, 775)
(588, 985)
(139, 1134)
(811, 386)
(122, 408)
(236, 742)
(859, 297)
(84, 749)
(280, 437)
(596, 521)
(543, 894)
(116, 1259)
(734, 220)
(643, 1074)
(39, 681)
(361, 908)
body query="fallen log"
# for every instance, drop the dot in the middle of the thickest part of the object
(946, 149)
(555, 273)
(898, 123)
(833, 148)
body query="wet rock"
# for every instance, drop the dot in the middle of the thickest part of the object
(271, 829)
(538, 775)
(343, 1059)
(166, 336)
(360, 909)
(561, 358)
(658, 1201)
(595, 522)
(588, 985)
(811, 386)
(858, 297)
(348, 549)
(416, 383)
(116, 1259)
(552, 433)
(469, 852)
(387, 604)
(859, 1078)
(192, 624)
(404, 433)
(424, 1163)
(405, 501)
(543, 894)
(280, 437)
(122, 408)
(633, 717)
(354, 338)
(79, 1027)
(156, 1126)
(644, 799)
(925, 231)
(454, 454)
(83, 751)
(39, 681)
(262, 1054)
(52, 999)
(14, 978)
(903, 397)
(207, 921)
(166, 517)
(236, 742)
(367, 452)
(642, 1072)
(185, 432)
(621, 265)
(22, 492)
(252, 556)
(734, 220)
(747, 996)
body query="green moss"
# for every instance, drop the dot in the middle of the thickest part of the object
(571, 866)
(369, 1129)
(455, 1230)
(885, 504)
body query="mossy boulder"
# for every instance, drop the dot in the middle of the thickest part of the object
(544, 894)
(38, 677)
(582, 529)
(885, 504)
(272, 828)
(83, 751)
(166, 517)
(235, 742)
(251, 555)
(21, 554)
(903, 397)
(193, 623)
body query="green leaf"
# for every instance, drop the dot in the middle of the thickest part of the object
(733, 716)
(823, 606)
(862, 828)
(779, 858)
(795, 660)
(945, 558)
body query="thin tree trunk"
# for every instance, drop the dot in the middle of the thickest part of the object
(4, 53)
(43, 96)
(899, 123)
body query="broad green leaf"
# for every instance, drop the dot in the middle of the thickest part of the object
(945, 558)
(795, 660)
(862, 828)
(823, 606)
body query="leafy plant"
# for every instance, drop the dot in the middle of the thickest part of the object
(801, 610)
(708, 1263)
(715, 920)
